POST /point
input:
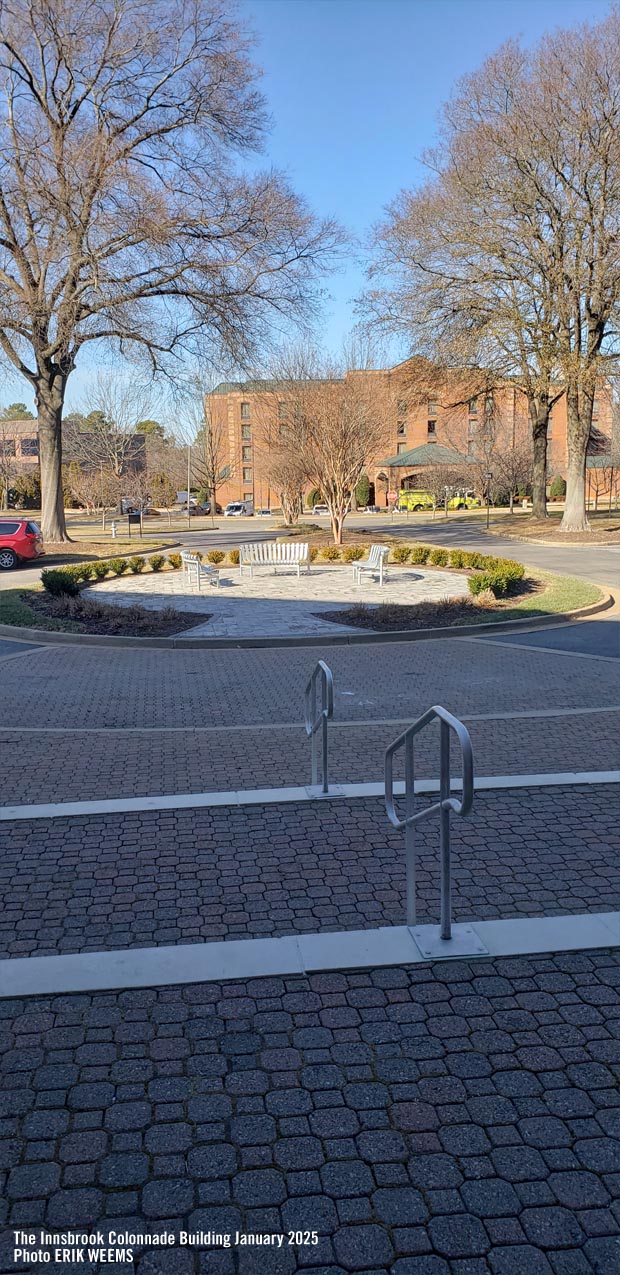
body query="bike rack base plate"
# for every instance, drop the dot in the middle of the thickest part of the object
(464, 942)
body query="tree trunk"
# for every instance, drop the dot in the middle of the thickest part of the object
(539, 416)
(337, 525)
(49, 399)
(577, 435)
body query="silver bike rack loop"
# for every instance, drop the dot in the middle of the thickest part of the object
(467, 942)
(317, 720)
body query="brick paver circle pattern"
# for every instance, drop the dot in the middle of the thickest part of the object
(270, 605)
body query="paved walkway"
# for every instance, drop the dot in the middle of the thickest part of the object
(454, 1120)
(283, 605)
(187, 876)
(73, 764)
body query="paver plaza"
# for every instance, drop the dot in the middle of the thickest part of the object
(284, 603)
(423, 1119)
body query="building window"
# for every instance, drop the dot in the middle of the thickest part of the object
(247, 475)
(473, 406)
(403, 407)
(7, 446)
(30, 447)
(431, 427)
(246, 453)
(402, 447)
(245, 411)
(401, 429)
(595, 409)
(473, 429)
(247, 495)
(282, 411)
(432, 406)
(489, 403)
(246, 433)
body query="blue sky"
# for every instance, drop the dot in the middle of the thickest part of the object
(354, 88)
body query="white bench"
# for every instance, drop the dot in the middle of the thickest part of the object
(376, 564)
(268, 553)
(195, 570)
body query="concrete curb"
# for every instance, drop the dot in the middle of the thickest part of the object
(45, 637)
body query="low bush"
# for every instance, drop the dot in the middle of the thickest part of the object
(419, 554)
(233, 557)
(331, 553)
(512, 571)
(60, 582)
(215, 556)
(175, 560)
(100, 570)
(456, 558)
(401, 553)
(438, 557)
(83, 571)
(352, 553)
(314, 553)
(491, 580)
(137, 564)
(118, 565)
(157, 561)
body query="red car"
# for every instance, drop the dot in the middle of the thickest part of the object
(20, 540)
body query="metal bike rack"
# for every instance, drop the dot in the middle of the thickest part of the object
(452, 940)
(314, 721)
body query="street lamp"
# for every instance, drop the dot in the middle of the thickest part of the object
(489, 476)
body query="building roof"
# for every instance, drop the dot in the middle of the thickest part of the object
(261, 387)
(426, 454)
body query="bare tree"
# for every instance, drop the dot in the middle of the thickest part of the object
(124, 216)
(510, 257)
(336, 423)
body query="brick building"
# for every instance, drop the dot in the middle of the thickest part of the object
(246, 413)
(19, 441)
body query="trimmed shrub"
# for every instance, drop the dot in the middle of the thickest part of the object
(401, 553)
(157, 561)
(513, 572)
(234, 557)
(439, 557)
(215, 556)
(314, 553)
(419, 554)
(456, 558)
(492, 580)
(137, 564)
(60, 582)
(100, 570)
(331, 553)
(352, 553)
(175, 560)
(82, 571)
(118, 565)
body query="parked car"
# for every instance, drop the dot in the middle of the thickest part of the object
(263, 513)
(238, 509)
(320, 509)
(20, 541)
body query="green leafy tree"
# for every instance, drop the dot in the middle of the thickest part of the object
(362, 491)
(16, 412)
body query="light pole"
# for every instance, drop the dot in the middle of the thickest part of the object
(189, 471)
(489, 477)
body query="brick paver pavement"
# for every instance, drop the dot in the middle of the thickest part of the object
(239, 872)
(76, 687)
(80, 766)
(460, 1119)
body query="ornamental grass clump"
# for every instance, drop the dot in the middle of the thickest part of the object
(233, 557)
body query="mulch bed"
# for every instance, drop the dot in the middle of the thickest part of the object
(85, 616)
